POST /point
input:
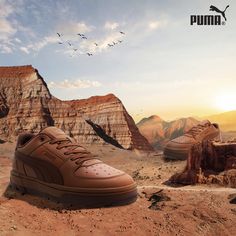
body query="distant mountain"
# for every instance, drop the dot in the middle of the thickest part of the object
(179, 127)
(158, 131)
(153, 129)
(226, 120)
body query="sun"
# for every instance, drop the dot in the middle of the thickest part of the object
(226, 102)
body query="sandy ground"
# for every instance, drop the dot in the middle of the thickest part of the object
(189, 210)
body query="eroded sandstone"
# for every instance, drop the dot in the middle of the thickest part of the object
(210, 162)
(26, 104)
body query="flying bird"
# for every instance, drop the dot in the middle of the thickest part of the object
(110, 45)
(122, 32)
(75, 49)
(89, 54)
(60, 43)
(120, 41)
(213, 8)
(114, 43)
(96, 44)
(59, 35)
(81, 34)
(83, 37)
(69, 44)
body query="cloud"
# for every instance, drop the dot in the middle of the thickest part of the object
(111, 25)
(74, 84)
(11, 31)
(89, 46)
(69, 32)
(7, 29)
(25, 50)
(5, 48)
(109, 39)
(73, 28)
(6, 9)
(32, 42)
(153, 25)
(17, 40)
(37, 46)
(10, 26)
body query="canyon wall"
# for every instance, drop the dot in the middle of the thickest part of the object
(26, 104)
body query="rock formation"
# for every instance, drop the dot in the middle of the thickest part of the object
(153, 129)
(210, 162)
(26, 104)
(158, 132)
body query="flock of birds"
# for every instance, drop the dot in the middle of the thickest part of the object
(83, 37)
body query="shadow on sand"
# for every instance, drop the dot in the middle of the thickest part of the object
(2, 141)
(46, 202)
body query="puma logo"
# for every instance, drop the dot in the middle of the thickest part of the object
(209, 19)
(213, 8)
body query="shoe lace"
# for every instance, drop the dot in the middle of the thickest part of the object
(194, 131)
(72, 149)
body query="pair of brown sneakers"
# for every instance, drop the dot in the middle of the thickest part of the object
(52, 164)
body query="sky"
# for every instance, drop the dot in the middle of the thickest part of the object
(161, 65)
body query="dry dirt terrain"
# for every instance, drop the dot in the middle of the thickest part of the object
(159, 209)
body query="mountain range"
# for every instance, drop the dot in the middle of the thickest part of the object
(158, 131)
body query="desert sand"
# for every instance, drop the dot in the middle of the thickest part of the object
(159, 210)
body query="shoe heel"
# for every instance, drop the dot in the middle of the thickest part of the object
(18, 188)
(218, 138)
(15, 184)
(214, 137)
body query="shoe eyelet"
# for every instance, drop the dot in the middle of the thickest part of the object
(42, 139)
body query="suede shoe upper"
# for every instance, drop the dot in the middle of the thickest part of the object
(54, 157)
(181, 145)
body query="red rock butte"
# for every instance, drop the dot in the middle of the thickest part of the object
(93, 100)
(26, 104)
(16, 71)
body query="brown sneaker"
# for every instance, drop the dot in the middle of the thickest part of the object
(52, 164)
(178, 148)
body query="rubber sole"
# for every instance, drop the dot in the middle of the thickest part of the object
(74, 197)
(182, 154)
(176, 155)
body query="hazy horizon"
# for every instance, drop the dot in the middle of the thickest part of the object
(163, 66)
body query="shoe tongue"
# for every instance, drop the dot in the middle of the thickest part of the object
(54, 132)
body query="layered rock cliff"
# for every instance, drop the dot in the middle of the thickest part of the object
(26, 104)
